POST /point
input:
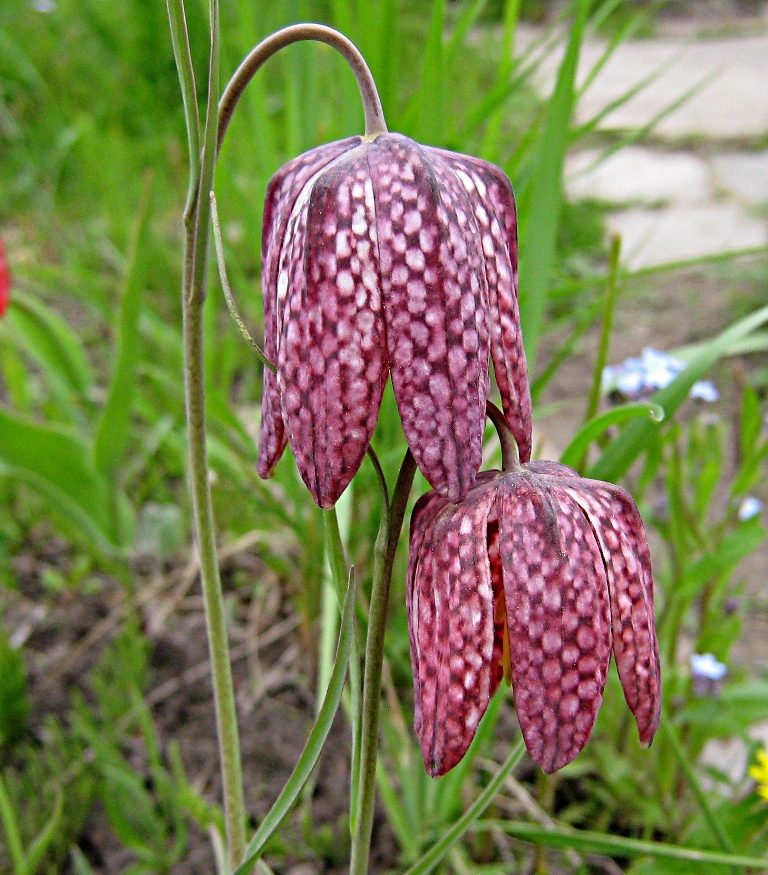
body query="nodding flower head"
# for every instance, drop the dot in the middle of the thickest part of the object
(384, 257)
(538, 575)
(5, 281)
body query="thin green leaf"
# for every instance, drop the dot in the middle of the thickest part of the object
(43, 841)
(450, 836)
(80, 864)
(599, 843)
(541, 197)
(113, 430)
(315, 742)
(11, 830)
(461, 28)
(397, 816)
(712, 819)
(426, 113)
(597, 427)
(52, 343)
(58, 464)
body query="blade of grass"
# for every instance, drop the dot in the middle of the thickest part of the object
(53, 344)
(606, 326)
(574, 452)
(593, 842)
(43, 840)
(541, 197)
(58, 463)
(11, 830)
(113, 429)
(314, 746)
(451, 835)
(723, 839)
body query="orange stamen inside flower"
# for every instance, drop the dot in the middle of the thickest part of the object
(501, 649)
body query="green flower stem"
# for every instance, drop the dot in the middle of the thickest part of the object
(510, 454)
(197, 220)
(384, 557)
(224, 698)
(374, 115)
(335, 550)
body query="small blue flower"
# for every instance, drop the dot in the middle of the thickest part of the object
(707, 674)
(637, 378)
(707, 667)
(704, 391)
(749, 508)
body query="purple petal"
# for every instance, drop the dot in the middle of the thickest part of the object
(434, 291)
(332, 356)
(452, 630)
(551, 469)
(623, 544)
(557, 612)
(283, 190)
(494, 207)
(423, 517)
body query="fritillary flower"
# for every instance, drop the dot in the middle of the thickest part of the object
(5, 281)
(538, 575)
(385, 257)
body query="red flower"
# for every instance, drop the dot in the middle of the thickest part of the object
(5, 281)
(538, 574)
(386, 257)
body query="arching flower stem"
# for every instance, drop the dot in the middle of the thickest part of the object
(374, 115)
(510, 455)
(384, 557)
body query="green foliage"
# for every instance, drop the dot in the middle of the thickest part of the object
(45, 797)
(91, 411)
(14, 699)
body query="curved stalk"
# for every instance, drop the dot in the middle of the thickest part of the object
(510, 455)
(384, 557)
(374, 115)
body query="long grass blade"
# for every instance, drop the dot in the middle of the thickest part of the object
(541, 197)
(314, 746)
(600, 843)
(451, 835)
(113, 429)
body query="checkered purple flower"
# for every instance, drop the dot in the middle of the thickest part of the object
(384, 257)
(538, 575)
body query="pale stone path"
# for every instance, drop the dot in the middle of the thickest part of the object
(701, 187)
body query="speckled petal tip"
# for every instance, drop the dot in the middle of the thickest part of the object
(617, 524)
(558, 617)
(332, 358)
(452, 631)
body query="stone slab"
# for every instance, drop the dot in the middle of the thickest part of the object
(638, 175)
(729, 77)
(743, 175)
(654, 237)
